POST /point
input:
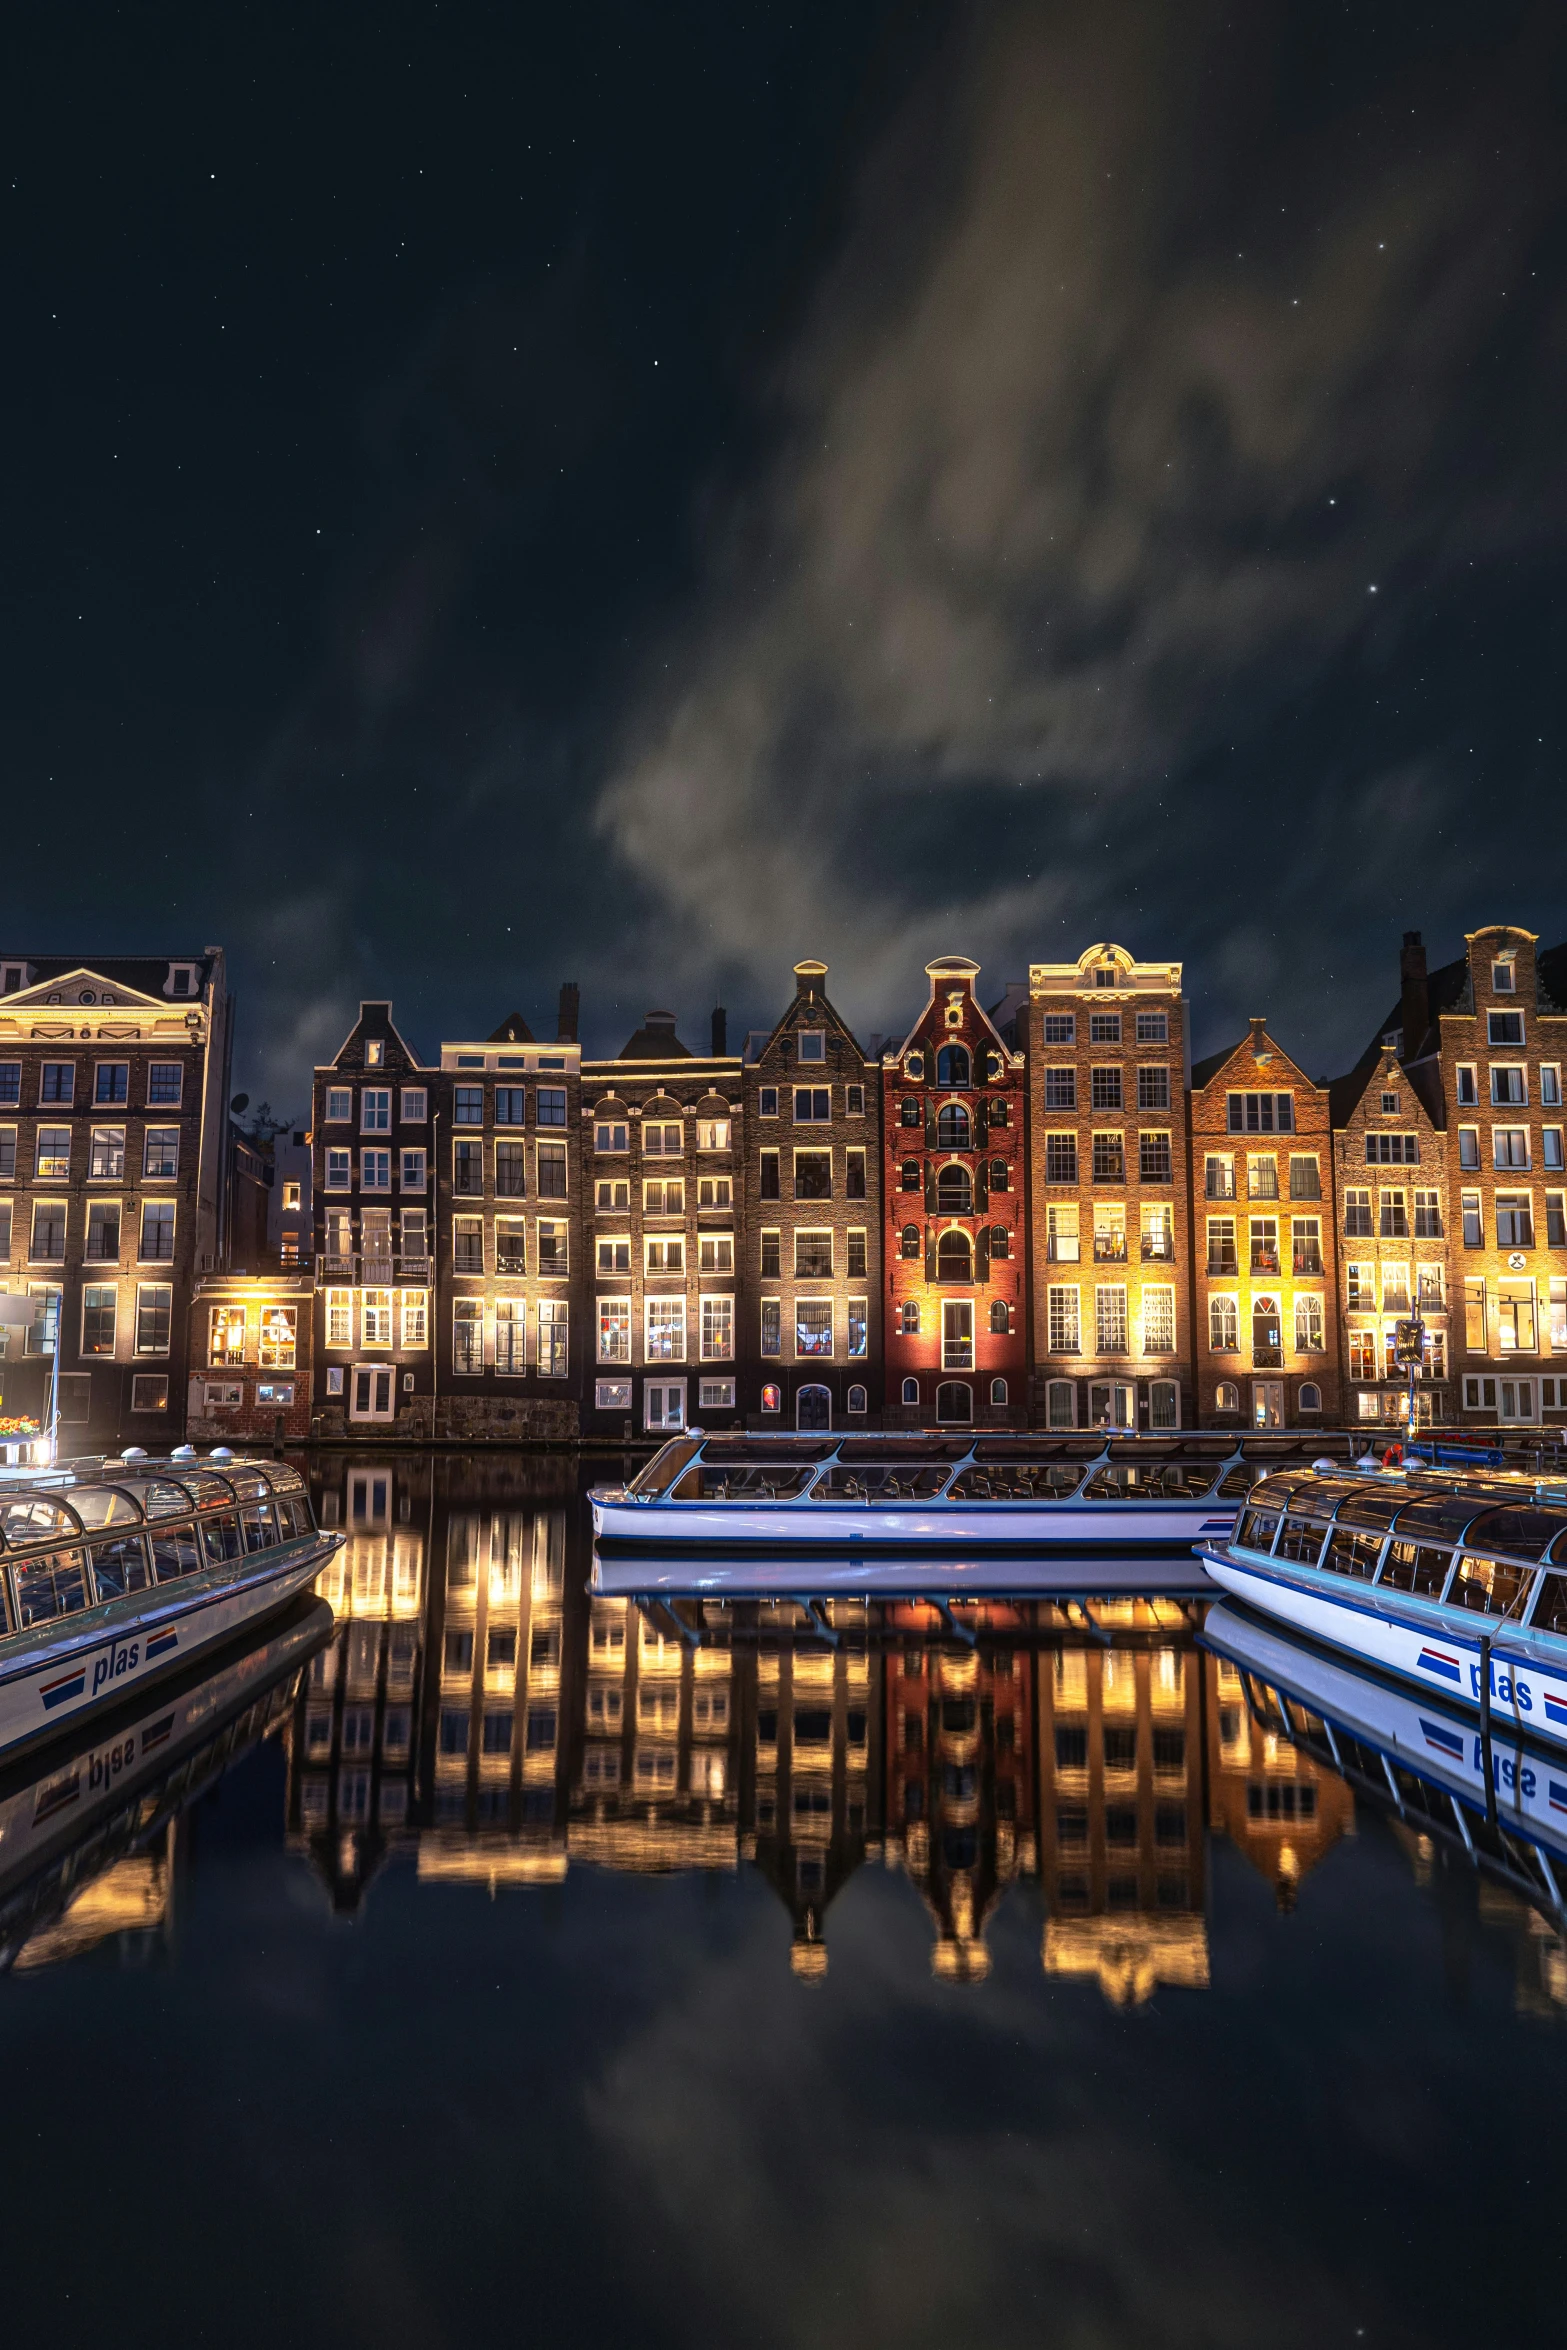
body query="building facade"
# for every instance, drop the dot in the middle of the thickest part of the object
(1265, 1262)
(251, 1354)
(1108, 1178)
(953, 1141)
(1390, 1195)
(660, 1157)
(810, 1341)
(1483, 1040)
(113, 1193)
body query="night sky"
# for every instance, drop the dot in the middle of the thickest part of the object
(644, 494)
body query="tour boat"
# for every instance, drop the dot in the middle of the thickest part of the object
(1411, 1752)
(113, 1572)
(994, 1571)
(1456, 1584)
(92, 1794)
(940, 1491)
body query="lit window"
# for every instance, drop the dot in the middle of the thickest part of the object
(467, 1336)
(610, 1134)
(554, 1255)
(375, 1052)
(154, 1317)
(106, 1158)
(226, 1335)
(415, 1318)
(100, 1301)
(718, 1329)
(554, 1329)
(52, 1151)
(665, 1330)
(340, 1317)
(157, 1232)
(812, 1327)
(614, 1329)
(103, 1232)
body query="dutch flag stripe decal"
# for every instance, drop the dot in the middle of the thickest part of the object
(68, 1686)
(1433, 1661)
(1558, 1795)
(1555, 1707)
(1446, 1741)
(162, 1644)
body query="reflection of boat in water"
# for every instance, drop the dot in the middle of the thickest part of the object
(665, 1569)
(934, 1490)
(79, 1806)
(116, 1572)
(1456, 1584)
(1409, 1752)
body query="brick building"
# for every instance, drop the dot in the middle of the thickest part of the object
(953, 1143)
(1390, 1195)
(114, 1076)
(251, 1352)
(659, 1211)
(1106, 1043)
(1265, 1265)
(1483, 1040)
(810, 1352)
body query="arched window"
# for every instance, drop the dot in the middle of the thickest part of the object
(856, 1399)
(1164, 1404)
(952, 1065)
(954, 1258)
(1000, 1243)
(1000, 1318)
(813, 1407)
(998, 1394)
(911, 1391)
(954, 1400)
(1000, 1175)
(909, 1240)
(909, 1175)
(954, 1192)
(953, 1131)
(911, 1317)
(1227, 1396)
(1061, 1404)
(910, 1112)
(1000, 1110)
(1267, 1332)
(1310, 1396)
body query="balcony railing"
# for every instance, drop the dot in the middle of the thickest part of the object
(1109, 1248)
(1308, 1263)
(1267, 1358)
(1063, 1249)
(510, 1261)
(1265, 1260)
(1219, 1187)
(1158, 1249)
(1223, 1268)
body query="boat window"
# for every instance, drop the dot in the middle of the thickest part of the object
(883, 1481)
(54, 1583)
(175, 1552)
(35, 1519)
(206, 1489)
(926, 1449)
(119, 1566)
(256, 1526)
(779, 1479)
(658, 1474)
(1153, 1480)
(1490, 1587)
(1551, 1613)
(1352, 1552)
(101, 1505)
(1374, 1512)
(165, 1501)
(248, 1483)
(1140, 1448)
(1258, 1526)
(1416, 1568)
(1444, 1516)
(221, 1538)
(1301, 1538)
(1237, 1481)
(293, 1515)
(1527, 1533)
(1017, 1481)
(282, 1478)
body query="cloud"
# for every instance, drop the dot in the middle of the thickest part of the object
(1125, 392)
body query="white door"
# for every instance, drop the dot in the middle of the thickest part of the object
(1267, 1403)
(664, 1403)
(1111, 1404)
(370, 1392)
(1517, 1400)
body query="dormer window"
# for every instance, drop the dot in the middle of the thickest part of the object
(181, 980)
(1105, 975)
(1390, 1105)
(12, 977)
(375, 1052)
(1502, 980)
(813, 1044)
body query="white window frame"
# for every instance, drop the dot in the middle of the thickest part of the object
(616, 1312)
(664, 1319)
(375, 1109)
(717, 1329)
(375, 1171)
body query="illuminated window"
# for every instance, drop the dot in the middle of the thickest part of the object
(279, 1329)
(665, 1335)
(614, 1330)
(157, 1232)
(554, 1252)
(414, 1305)
(103, 1232)
(226, 1335)
(468, 1336)
(1063, 1320)
(554, 1339)
(154, 1317)
(161, 1157)
(100, 1303)
(718, 1329)
(812, 1327)
(52, 1151)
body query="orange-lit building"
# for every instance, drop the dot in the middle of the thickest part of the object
(1274, 1801)
(251, 1347)
(1394, 1244)
(954, 1140)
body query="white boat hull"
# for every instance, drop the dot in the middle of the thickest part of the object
(78, 1665)
(1111, 1526)
(1431, 1647)
(910, 1573)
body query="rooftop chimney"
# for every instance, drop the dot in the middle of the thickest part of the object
(1259, 1035)
(808, 977)
(1414, 994)
(566, 1025)
(720, 1032)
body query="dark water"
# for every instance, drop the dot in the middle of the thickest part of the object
(507, 1969)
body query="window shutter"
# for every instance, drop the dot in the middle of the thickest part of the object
(930, 1188)
(981, 1187)
(982, 1253)
(930, 1255)
(930, 1124)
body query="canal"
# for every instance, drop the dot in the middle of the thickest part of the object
(493, 1963)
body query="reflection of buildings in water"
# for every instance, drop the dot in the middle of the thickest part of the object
(1538, 1948)
(809, 1765)
(1121, 1830)
(959, 1742)
(654, 1784)
(1277, 1804)
(132, 1900)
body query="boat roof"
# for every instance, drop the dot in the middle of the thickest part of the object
(100, 1493)
(1507, 1515)
(1302, 1446)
